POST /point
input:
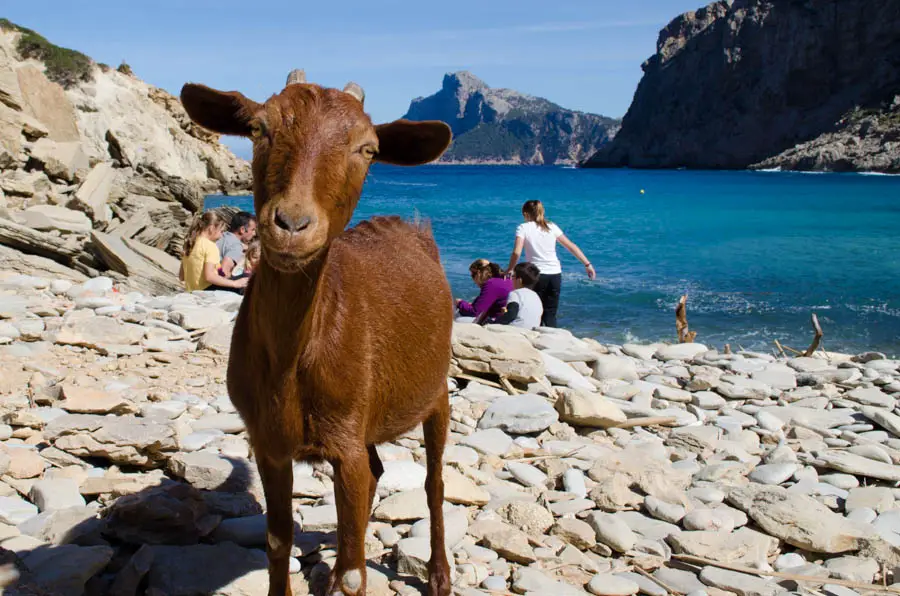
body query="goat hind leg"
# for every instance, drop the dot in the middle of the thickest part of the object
(435, 430)
(352, 484)
(277, 478)
(377, 469)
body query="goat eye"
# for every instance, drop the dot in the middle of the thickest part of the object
(368, 151)
(257, 131)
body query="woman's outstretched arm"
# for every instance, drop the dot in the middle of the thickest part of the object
(516, 253)
(576, 252)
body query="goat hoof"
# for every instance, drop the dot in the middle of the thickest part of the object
(439, 584)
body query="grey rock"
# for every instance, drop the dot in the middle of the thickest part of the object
(58, 493)
(739, 583)
(798, 519)
(519, 414)
(65, 568)
(612, 531)
(605, 584)
(772, 473)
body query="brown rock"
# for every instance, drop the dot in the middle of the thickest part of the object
(87, 400)
(48, 103)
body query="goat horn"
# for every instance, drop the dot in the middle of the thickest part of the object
(297, 76)
(356, 91)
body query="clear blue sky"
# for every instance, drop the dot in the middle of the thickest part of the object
(582, 54)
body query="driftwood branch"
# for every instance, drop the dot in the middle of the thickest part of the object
(504, 382)
(817, 337)
(647, 421)
(790, 576)
(685, 335)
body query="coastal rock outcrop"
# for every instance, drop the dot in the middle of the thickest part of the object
(99, 171)
(504, 126)
(763, 83)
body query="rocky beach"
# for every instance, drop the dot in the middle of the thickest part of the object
(572, 466)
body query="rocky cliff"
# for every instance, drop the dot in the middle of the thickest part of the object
(735, 84)
(98, 170)
(505, 126)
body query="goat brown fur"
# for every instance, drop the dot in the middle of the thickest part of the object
(343, 339)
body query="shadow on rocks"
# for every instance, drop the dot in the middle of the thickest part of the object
(171, 539)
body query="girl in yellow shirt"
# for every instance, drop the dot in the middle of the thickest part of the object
(200, 256)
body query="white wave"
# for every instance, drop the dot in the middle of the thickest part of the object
(876, 174)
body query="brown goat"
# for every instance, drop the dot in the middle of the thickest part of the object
(343, 339)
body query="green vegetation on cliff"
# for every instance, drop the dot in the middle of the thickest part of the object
(64, 66)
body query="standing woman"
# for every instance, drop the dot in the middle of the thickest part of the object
(539, 237)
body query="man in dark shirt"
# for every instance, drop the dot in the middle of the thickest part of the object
(231, 245)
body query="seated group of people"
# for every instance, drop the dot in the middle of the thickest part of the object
(214, 258)
(504, 299)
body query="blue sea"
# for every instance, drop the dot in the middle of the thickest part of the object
(756, 252)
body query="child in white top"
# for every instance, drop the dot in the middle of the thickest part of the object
(523, 305)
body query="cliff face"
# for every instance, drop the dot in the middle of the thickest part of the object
(505, 126)
(99, 170)
(737, 83)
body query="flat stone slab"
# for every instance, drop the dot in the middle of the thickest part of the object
(519, 414)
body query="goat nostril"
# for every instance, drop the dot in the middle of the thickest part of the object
(281, 221)
(289, 224)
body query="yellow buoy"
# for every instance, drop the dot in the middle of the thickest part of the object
(642, 191)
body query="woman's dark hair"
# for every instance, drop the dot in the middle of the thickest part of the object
(486, 269)
(239, 220)
(528, 273)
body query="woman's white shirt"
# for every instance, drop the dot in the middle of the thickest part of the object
(540, 246)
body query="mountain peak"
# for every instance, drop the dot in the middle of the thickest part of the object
(464, 80)
(503, 125)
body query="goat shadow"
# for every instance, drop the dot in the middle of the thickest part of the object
(168, 539)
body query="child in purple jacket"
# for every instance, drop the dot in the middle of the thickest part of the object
(494, 291)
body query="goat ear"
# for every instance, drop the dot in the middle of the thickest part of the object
(224, 112)
(408, 143)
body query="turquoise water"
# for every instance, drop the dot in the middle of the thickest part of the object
(756, 252)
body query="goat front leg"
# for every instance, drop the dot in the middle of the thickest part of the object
(352, 482)
(435, 431)
(277, 478)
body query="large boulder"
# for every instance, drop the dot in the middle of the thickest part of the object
(509, 355)
(799, 519)
(519, 414)
(587, 409)
(93, 194)
(60, 160)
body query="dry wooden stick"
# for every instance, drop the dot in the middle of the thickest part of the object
(790, 576)
(540, 457)
(685, 336)
(780, 349)
(487, 382)
(668, 588)
(504, 382)
(646, 421)
(817, 337)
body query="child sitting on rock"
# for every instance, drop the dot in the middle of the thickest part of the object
(250, 262)
(523, 306)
